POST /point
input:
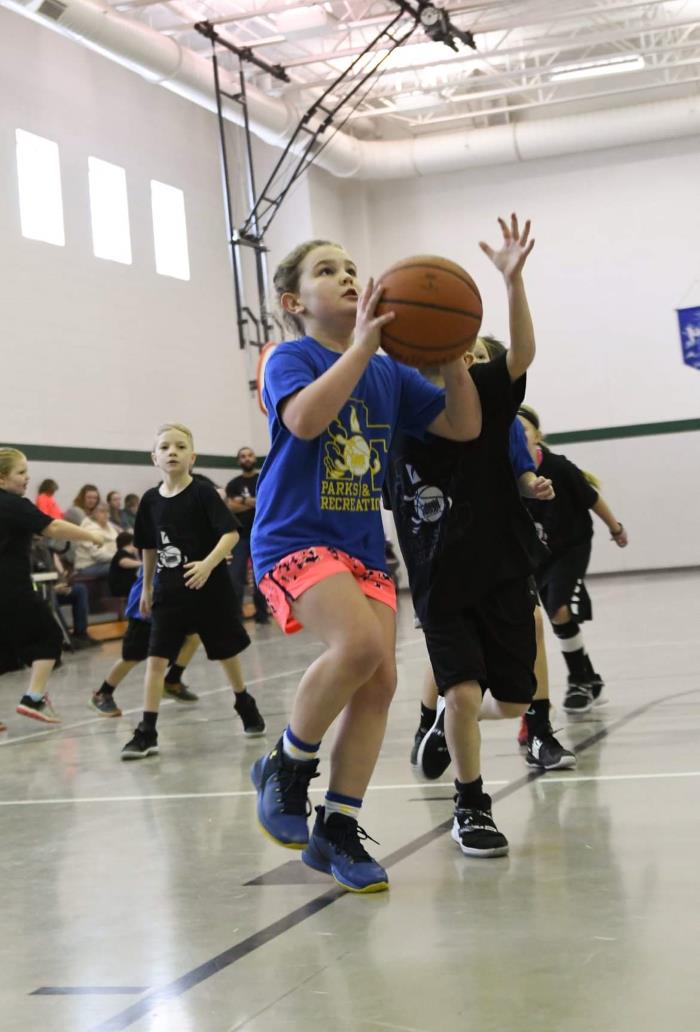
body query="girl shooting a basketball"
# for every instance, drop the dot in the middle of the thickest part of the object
(318, 542)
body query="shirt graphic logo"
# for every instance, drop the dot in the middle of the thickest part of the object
(353, 462)
(429, 502)
(169, 556)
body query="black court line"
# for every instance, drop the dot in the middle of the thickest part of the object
(90, 990)
(243, 949)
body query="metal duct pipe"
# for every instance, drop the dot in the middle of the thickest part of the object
(160, 59)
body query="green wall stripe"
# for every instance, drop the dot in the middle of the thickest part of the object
(612, 433)
(111, 456)
(116, 457)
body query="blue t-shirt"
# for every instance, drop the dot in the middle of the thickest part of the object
(518, 452)
(132, 611)
(328, 491)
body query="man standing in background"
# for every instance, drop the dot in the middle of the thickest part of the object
(240, 498)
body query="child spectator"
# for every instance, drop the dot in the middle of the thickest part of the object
(124, 566)
(45, 501)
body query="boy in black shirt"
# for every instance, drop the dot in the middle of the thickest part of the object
(567, 527)
(185, 531)
(469, 548)
(124, 567)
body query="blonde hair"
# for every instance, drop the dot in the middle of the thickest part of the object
(9, 458)
(286, 277)
(592, 479)
(180, 427)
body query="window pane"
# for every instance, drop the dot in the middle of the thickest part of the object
(109, 209)
(39, 179)
(169, 231)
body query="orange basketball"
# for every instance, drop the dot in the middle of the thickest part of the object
(437, 309)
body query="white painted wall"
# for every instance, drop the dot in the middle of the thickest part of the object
(96, 353)
(616, 253)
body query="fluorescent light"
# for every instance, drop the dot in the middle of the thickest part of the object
(39, 180)
(611, 66)
(109, 209)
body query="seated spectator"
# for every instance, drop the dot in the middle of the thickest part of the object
(94, 560)
(124, 566)
(131, 504)
(46, 502)
(83, 504)
(44, 560)
(114, 502)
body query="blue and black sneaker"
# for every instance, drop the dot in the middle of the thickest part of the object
(283, 805)
(335, 848)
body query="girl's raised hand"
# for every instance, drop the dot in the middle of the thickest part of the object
(514, 250)
(368, 326)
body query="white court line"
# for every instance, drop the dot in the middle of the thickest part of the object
(542, 780)
(139, 709)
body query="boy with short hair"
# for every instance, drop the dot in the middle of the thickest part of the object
(468, 545)
(184, 532)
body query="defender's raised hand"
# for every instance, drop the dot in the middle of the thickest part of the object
(516, 247)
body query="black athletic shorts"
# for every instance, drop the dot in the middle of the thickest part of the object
(135, 641)
(28, 628)
(560, 582)
(492, 642)
(214, 618)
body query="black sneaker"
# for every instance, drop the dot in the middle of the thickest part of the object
(83, 641)
(476, 834)
(247, 710)
(417, 739)
(180, 692)
(596, 685)
(578, 699)
(283, 803)
(433, 757)
(335, 848)
(144, 743)
(105, 705)
(38, 710)
(546, 753)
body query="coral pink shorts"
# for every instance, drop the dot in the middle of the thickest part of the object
(298, 572)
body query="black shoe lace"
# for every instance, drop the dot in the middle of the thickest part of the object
(293, 787)
(349, 841)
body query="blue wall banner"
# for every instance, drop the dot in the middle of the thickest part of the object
(689, 325)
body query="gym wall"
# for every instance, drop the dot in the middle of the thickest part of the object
(616, 253)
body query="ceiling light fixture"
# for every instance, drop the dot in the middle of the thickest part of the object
(591, 69)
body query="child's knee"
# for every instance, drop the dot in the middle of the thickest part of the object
(464, 700)
(362, 652)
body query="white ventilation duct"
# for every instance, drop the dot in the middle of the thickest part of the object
(160, 59)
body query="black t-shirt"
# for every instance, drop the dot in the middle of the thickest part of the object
(120, 579)
(19, 521)
(244, 486)
(183, 529)
(566, 520)
(461, 524)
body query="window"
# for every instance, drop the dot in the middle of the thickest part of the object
(39, 180)
(109, 210)
(169, 231)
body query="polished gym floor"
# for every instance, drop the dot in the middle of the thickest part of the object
(142, 895)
